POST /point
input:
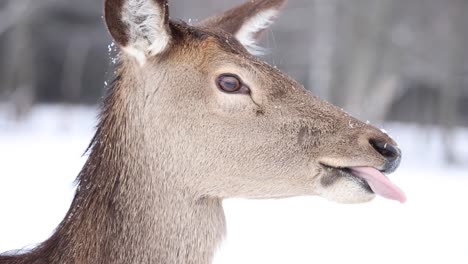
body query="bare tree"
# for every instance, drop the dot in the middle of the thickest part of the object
(448, 107)
(323, 48)
(19, 65)
(19, 82)
(371, 32)
(13, 12)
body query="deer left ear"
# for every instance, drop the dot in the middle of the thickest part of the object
(247, 21)
(139, 27)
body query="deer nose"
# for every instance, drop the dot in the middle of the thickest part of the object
(391, 153)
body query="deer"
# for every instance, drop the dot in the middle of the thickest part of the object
(194, 117)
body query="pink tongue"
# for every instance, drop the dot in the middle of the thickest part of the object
(379, 183)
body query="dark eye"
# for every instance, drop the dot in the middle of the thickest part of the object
(231, 84)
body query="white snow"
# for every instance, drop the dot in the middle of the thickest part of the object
(40, 158)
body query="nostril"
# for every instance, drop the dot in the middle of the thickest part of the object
(389, 151)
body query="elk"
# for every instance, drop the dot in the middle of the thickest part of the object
(195, 117)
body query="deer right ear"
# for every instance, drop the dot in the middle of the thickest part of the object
(139, 27)
(247, 21)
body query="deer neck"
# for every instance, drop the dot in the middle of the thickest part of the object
(127, 208)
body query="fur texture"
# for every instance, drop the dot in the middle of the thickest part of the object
(257, 16)
(144, 25)
(247, 33)
(171, 145)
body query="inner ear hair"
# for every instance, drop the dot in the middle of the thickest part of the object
(253, 27)
(247, 21)
(140, 27)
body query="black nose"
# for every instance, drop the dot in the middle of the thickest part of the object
(391, 153)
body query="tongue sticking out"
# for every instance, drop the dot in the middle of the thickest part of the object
(379, 183)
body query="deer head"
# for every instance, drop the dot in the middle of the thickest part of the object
(219, 122)
(195, 117)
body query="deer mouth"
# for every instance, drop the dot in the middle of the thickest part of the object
(370, 178)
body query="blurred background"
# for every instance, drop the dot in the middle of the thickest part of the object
(401, 64)
(387, 60)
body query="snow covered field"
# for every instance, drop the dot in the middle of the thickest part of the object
(40, 157)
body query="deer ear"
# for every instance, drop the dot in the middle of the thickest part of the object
(247, 21)
(139, 27)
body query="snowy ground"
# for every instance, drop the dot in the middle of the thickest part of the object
(39, 159)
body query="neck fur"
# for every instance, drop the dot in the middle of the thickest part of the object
(129, 210)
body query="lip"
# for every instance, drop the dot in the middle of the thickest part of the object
(370, 178)
(346, 172)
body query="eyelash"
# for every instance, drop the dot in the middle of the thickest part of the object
(243, 89)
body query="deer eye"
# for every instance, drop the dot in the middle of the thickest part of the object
(231, 83)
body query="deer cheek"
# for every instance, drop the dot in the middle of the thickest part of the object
(232, 104)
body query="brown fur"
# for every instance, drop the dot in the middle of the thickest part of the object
(230, 22)
(170, 146)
